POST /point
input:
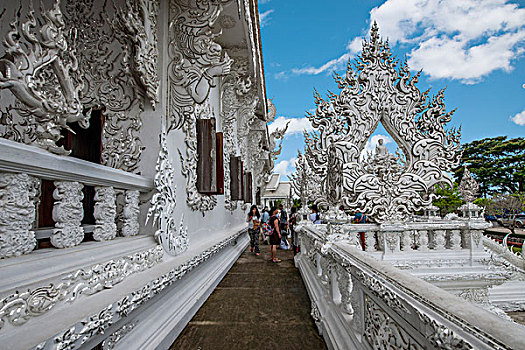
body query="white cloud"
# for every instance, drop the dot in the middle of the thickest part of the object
(297, 125)
(464, 40)
(331, 65)
(285, 167)
(519, 118)
(264, 17)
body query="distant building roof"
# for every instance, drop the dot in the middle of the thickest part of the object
(273, 182)
(282, 191)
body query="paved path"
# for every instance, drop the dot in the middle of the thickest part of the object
(258, 305)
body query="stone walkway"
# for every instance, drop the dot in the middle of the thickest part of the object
(258, 305)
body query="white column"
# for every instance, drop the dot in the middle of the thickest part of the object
(17, 213)
(370, 241)
(130, 214)
(105, 213)
(67, 214)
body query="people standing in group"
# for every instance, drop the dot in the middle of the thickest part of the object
(275, 237)
(315, 216)
(254, 226)
(292, 223)
(266, 230)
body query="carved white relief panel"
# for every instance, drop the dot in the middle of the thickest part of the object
(163, 203)
(130, 214)
(40, 68)
(105, 213)
(67, 214)
(17, 213)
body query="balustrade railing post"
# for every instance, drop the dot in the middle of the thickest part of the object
(344, 284)
(67, 214)
(455, 239)
(357, 303)
(370, 241)
(407, 240)
(18, 194)
(439, 239)
(422, 240)
(130, 214)
(105, 213)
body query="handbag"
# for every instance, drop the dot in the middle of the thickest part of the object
(256, 224)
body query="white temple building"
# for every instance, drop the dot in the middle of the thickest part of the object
(128, 127)
(134, 138)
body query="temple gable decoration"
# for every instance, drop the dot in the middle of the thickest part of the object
(386, 187)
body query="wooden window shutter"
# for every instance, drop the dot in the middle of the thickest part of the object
(220, 163)
(241, 180)
(235, 177)
(248, 188)
(258, 196)
(206, 152)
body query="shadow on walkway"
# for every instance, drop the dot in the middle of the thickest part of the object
(258, 305)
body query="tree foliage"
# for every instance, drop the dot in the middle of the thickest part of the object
(448, 199)
(497, 164)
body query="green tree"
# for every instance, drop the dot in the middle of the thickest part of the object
(496, 163)
(448, 199)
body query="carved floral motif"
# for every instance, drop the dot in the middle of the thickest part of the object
(17, 213)
(19, 307)
(117, 336)
(80, 333)
(67, 214)
(105, 213)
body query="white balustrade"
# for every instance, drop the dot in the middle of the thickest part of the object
(359, 302)
(22, 167)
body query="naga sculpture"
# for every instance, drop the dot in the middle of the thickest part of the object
(385, 187)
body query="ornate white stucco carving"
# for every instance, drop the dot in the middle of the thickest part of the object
(195, 200)
(19, 307)
(67, 214)
(80, 333)
(236, 91)
(130, 214)
(195, 57)
(117, 336)
(162, 210)
(195, 62)
(387, 187)
(18, 194)
(41, 71)
(105, 213)
(104, 56)
(468, 187)
(138, 20)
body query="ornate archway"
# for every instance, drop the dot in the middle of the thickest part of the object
(380, 89)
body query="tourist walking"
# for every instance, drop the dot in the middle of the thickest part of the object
(315, 216)
(254, 226)
(266, 229)
(275, 237)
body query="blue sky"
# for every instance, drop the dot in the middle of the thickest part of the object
(475, 48)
